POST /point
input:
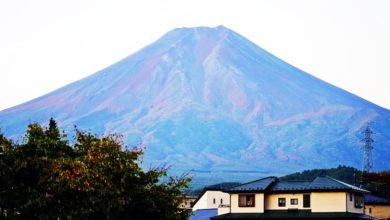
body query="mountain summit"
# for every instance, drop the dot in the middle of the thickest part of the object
(209, 100)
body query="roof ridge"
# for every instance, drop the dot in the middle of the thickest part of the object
(308, 181)
(340, 182)
(329, 179)
(350, 186)
(269, 177)
(259, 184)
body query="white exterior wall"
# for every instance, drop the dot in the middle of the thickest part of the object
(351, 205)
(259, 204)
(328, 202)
(207, 200)
(319, 202)
(223, 210)
(201, 203)
(272, 202)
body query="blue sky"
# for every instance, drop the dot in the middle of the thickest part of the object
(46, 44)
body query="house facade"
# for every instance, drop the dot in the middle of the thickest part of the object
(271, 198)
(377, 207)
(211, 199)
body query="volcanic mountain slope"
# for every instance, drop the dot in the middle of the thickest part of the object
(209, 100)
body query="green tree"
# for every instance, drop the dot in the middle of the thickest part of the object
(344, 173)
(45, 177)
(378, 183)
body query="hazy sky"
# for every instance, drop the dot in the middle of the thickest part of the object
(46, 44)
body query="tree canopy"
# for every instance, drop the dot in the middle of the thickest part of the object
(46, 177)
(378, 183)
(344, 173)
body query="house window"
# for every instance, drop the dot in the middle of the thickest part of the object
(359, 201)
(369, 210)
(246, 200)
(282, 202)
(214, 201)
(294, 201)
(350, 197)
(221, 201)
(306, 201)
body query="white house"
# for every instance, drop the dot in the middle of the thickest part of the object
(211, 199)
(271, 198)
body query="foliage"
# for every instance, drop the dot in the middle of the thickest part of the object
(47, 178)
(344, 173)
(378, 183)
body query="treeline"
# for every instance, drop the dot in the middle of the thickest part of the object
(46, 177)
(378, 183)
(346, 174)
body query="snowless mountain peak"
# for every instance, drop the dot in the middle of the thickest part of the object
(201, 29)
(209, 100)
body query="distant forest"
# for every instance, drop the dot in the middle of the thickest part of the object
(344, 173)
(377, 183)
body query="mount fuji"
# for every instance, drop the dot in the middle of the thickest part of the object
(208, 100)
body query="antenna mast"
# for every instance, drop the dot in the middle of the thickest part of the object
(367, 157)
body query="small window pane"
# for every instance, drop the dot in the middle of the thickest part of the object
(246, 200)
(294, 201)
(359, 201)
(282, 202)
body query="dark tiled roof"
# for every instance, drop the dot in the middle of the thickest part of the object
(272, 184)
(371, 199)
(297, 214)
(290, 185)
(203, 214)
(257, 185)
(326, 183)
(330, 183)
(318, 184)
